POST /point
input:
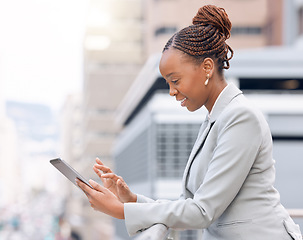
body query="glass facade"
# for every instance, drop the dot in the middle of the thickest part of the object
(174, 143)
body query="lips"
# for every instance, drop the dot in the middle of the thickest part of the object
(182, 101)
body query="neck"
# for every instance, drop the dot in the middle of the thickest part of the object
(215, 89)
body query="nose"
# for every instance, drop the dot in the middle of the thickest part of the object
(172, 91)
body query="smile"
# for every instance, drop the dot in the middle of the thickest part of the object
(183, 102)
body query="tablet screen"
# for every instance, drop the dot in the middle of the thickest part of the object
(68, 171)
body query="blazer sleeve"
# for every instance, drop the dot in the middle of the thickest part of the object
(239, 136)
(144, 199)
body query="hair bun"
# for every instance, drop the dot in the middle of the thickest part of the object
(215, 16)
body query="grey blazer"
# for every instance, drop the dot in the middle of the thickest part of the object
(228, 187)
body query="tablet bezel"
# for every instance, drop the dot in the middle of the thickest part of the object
(69, 172)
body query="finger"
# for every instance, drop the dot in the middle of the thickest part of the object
(122, 185)
(83, 186)
(103, 168)
(112, 176)
(97, 186)
(93, 206)
(99, 161)
(97, 171)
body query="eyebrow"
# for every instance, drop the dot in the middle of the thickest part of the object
(170, 74)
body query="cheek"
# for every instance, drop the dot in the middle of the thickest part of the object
(198, 98)
(194, 91)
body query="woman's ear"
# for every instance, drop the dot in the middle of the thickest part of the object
(208, 66)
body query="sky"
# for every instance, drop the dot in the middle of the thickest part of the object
(41, 46)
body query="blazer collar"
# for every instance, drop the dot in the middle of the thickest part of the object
(224, 99)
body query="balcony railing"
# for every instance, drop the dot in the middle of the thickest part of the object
(155, 232)
(160, 232)
(295, 213)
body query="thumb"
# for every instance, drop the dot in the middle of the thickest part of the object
(96, 186)
(122, 185)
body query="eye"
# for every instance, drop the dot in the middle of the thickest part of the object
(175, 81)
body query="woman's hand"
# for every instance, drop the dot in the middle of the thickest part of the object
(103, 200)
(114, 183)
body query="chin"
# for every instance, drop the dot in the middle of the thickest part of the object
(191, 109)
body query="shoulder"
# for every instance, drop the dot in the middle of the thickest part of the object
(242, 126)
(241, 113)
(240, 108)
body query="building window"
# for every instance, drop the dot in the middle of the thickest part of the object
(270, 84)
(165, 30)
(174, 144)
(246, 30)
(132, 161)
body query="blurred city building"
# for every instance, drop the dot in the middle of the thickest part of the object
(121, 37)
(113, 56)
(8, 159)
(28, 139)
(78, 216)
(250, 20)
(71, 129)
(9, 173)
(9, 169)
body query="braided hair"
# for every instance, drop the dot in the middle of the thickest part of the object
(206, 37)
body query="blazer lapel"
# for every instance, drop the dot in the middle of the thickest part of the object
(230, 93)
(201, 136)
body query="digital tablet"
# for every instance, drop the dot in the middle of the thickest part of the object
(68, 171)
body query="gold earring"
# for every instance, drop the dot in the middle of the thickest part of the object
(207, 79)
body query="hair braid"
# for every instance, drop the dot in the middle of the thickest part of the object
(206, 37)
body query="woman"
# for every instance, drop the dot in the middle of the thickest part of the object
(228, 181)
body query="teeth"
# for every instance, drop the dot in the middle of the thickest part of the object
(183, 99)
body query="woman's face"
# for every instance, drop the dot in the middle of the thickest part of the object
(185, 79)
